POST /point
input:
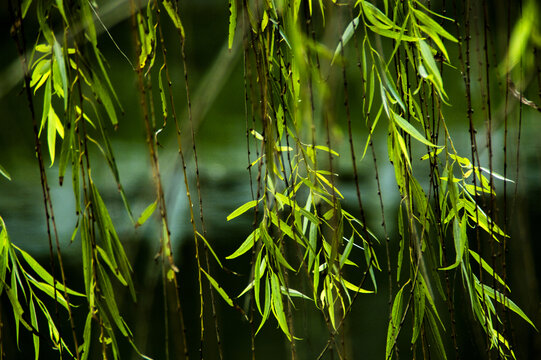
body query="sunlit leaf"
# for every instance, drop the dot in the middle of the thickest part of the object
(173, 15)
(146, 213)
(218, 288)
(242, 209)
(233, 22)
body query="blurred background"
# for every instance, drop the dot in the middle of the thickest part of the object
(217, 86)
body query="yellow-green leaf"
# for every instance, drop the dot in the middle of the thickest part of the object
(218, 288)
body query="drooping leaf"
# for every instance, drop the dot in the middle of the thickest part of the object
(504, 300)
(277, 305)
(346, 36)
(218, 288)
(4, 173)
(43, 274)
(395, 322)
(233, 22)
(246, 245)
(146, 213)
(242, 209)
(412, 131)
(173, 15)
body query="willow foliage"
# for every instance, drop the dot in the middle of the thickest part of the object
(386, 63)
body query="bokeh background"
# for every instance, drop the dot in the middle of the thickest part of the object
(216, 80)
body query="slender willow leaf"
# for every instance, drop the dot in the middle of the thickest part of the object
(103, 95)
(504, 300)
(402, 242)
(260, 266)
(418, 314)
(61, 66)
(218, 288)
(109, 297)
(407, 127)
(52, 292)
(294, 293)
(44, 274)
(346, 36)
(34, 322)
(210, 248)
(347, 251)
(394, 323)
(246, 245)
(355, 288)
(487, 268)
(277, 305)
(308, 215)
(114, 269)
(268, 304)
(87, 337)
(460, 240)
(435, 334)
(146, 214)
(233, 22)
(171, 11)
(242, 209)
(4, 173)
(428, 59)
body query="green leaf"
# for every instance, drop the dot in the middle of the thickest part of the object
(355, 288)
(232, 22)
(291, 203)
(487, 268)
(109, 263)
(242, 209)
(43, 274)
(408, 128)
(171, 11)
(4, 173)
(210, 248)
(246, 245)
(436, 337)
(146, 213)
(394, 323)
(278, 306)
(109, 297)
(103, 95)
(429, 61)
(24, 7)
(418, 314)
(268, 302)
(504, 300)
(52, 292)
(162, 95)
(87, 337)
(294, 293)
(460, 240)
(218, 288)
(34, 322)
(61, 66)
(346, 36)
(433, 25)
(347, 250)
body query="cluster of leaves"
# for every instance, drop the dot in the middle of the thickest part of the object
(25, 289)
(281, 52)
(300, 226)
(316, 229)
(409, 28)
(74, 79)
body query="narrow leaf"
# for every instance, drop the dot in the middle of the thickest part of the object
(232, 22)
(218, 288)
(242, 209)
(146, 214)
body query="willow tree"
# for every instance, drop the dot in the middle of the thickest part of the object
(315, 74)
